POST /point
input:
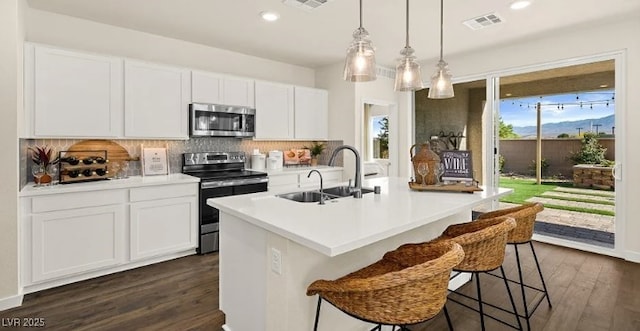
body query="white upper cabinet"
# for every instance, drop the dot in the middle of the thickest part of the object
(311, 113)
(72, 94)
(221, 89)
(238, 91)
(274, 111)
(206, 87)
(288, 112)
(157, 100)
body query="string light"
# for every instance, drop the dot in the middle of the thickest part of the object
(560, 105)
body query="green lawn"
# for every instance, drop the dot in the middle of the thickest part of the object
(524, 189)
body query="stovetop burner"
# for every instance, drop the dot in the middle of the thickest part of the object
(217, 166)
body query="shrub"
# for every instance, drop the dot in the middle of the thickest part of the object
(501, 163)
(544, 167)
(591, 152)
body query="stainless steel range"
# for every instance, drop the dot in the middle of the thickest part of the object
(221, 174)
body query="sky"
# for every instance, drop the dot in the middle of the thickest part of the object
(557, 108)
(377, 128)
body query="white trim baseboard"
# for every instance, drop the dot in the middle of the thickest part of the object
(226, 328)
(576, 245)
(11, 302)
(632, 256)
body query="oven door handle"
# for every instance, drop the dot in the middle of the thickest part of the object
(233, 182)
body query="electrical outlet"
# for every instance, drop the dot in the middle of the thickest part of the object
(276, 261)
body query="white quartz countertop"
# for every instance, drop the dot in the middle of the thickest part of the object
(297, 170)
(133, 181)
(346, 224)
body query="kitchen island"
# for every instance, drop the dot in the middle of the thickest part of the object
(272, 248)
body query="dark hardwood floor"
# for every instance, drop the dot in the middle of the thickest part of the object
(589, 292)
(181, 294)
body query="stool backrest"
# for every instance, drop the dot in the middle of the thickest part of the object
(483, 241)
(525, 216)
(395, 292)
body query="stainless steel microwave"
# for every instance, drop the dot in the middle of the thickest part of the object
(210, 120)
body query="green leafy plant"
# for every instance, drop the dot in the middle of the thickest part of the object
(591, 152)
(544, 167)
(501, 162)
(44, 156)
(316, 148)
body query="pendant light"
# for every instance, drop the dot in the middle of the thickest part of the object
(441, 86)
(360, 64)
(408, 77)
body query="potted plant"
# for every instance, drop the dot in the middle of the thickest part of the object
(315, 150)
(43, 157)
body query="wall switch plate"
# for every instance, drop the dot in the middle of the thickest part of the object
(276, 261)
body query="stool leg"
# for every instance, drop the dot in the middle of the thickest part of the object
(513, 303)
(446, 314)
(315, 324)
(524, 296)
(479, 300)
(544, 286)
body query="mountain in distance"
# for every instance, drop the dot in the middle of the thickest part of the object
(552, 130)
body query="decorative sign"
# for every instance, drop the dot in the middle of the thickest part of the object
(154, 161)
(457, 165)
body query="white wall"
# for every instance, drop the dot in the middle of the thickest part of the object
(574, 43)
(70, 32)
(11, 38)
(346, 111)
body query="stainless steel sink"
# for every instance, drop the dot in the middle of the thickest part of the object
(314, 196)
(306, 196)
(344, 191)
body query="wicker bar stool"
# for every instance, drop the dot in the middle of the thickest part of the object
(525, 217)
(484, 244)
(391, 292)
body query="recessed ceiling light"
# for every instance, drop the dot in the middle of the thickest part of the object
(508, 94)
(269, 16)
(604, 85)
(520, 4)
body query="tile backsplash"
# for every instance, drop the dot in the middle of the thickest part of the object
(176, 148)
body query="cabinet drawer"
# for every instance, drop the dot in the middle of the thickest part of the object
(282, 180)
(67, 201)
(327, 177)
(162, 192)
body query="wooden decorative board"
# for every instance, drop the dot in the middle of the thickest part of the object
(115, 152)
(458, 187)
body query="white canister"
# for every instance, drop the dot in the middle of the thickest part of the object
(279, 161)
(258, 161)
(273, 163)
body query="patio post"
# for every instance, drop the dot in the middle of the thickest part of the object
(538, 146)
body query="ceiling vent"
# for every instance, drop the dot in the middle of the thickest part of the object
(307, 5)
(385, 72)
(483, 21)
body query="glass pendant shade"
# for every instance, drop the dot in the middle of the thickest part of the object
(360, 64)
(441, 86)
(408, 76)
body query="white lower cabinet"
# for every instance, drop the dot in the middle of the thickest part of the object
(162, 226)
(67, 237)
(74, 241)
(329, 178)
(294, 180)
(282, 181)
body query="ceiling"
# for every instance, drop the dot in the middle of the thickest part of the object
(320, 37)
